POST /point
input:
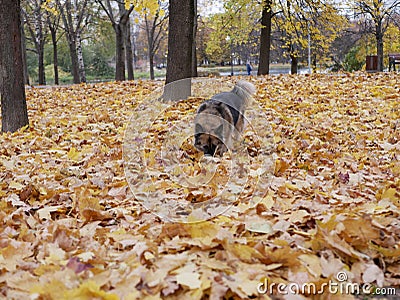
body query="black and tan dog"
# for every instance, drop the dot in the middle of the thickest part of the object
(221, 119)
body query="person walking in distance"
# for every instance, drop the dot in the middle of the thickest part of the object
(249, 68)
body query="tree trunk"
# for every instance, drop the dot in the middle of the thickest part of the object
(23, 45)
(74, 58)
(120, 28)
(120, 53)
(55, 63)
(379, 45)
(265, 38)
(194, 50)
(180, 43)
(294, 64)
(13, 100)
(79, 53)
(55, 54)
(78, 41)
(150, 44)
(39, 43)
(129, 52)
(180, 40)
(73, 36)
(42, 74)
(151, 63)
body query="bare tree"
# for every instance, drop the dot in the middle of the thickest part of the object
(14, 113)
(74, 15)
(155, 29)
(53, 24)
(34, 19)
(119, 22)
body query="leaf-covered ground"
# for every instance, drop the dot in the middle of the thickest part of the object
(72, 229)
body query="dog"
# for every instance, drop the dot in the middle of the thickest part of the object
(221, 119)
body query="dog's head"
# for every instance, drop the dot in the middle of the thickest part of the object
(209, 141)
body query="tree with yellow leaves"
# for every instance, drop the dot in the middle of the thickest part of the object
(378, 13)
(294, 25)
(232, 29)
(311, 25)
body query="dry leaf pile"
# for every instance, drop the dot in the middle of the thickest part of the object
(72, 229)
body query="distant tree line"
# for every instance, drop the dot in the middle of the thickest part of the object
(113, 38)
(109, 39)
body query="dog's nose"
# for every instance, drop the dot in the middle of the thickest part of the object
(209, 150)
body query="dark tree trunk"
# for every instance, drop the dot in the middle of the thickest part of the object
(120, 38)
(53, 33)
(265, 38)
(42, 74)
(379, 45)
(74, 59)
(13, 101)
(180, 40)
(151, 62)
(194, 50)
(194, 62)
(120, 53)
(294, 64)
(150, 31)
(55, 56)
(23, 45)
(180, 43)
(129, 52)
(40, 41)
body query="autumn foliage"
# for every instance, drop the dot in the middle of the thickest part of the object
(73, 229)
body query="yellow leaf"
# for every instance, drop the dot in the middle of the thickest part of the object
(244, 252)
(89, 290)
(128, 4)
(189, 277)
(281, 166)
(73, 154)
(16, 185)
(312, 263)
(260, 227)
(390, 194)
(44, 213)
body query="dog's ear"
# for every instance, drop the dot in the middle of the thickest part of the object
(219, 131)
(202, 107)
(199, 128)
